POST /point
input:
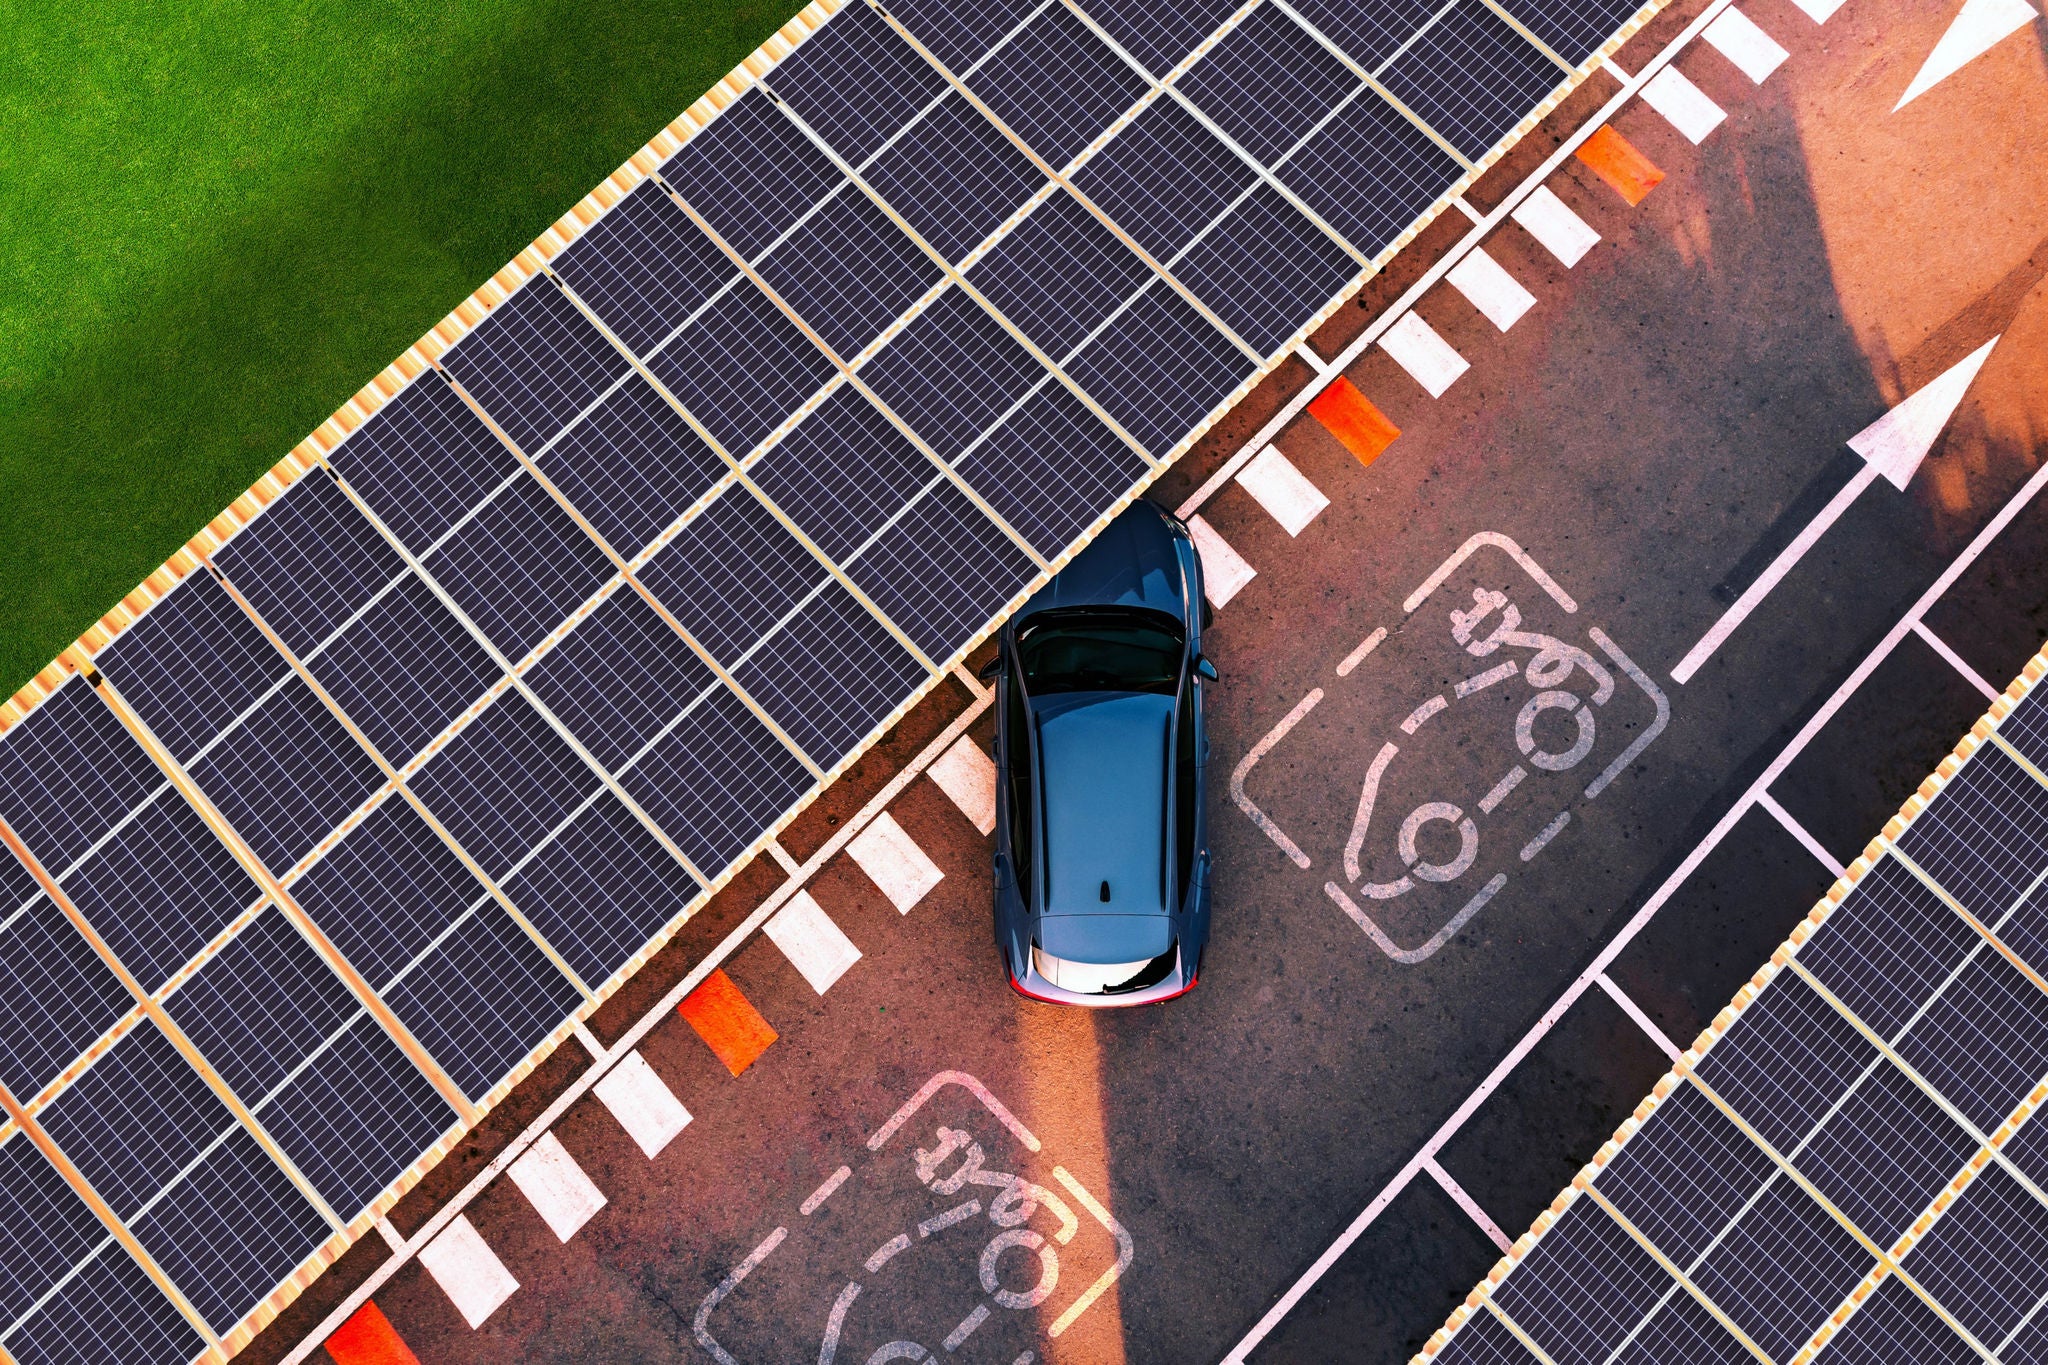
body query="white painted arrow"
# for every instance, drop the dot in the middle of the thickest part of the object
(1892, 447)
(1978, 27)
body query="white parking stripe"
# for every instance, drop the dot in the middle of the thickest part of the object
(1487, 286)
(1550, 221)
(1224, 572)
(894, 862)
(468, 1271)
(1820, 11)
(1684, 105)
(1427, 357)
(645, 1107)
(967, 777)
(1755, 53)
(556, 1186)
(1281, 489)
(810, 940)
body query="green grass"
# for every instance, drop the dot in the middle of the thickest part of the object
(219, 219)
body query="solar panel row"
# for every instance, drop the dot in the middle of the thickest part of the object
(1897, 1056)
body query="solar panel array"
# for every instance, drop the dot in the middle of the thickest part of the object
(353, 819)
(1852, 1158)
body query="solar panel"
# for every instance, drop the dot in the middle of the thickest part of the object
(387, 891)
(632, 467)
(230, 1230)
(959, 32)
(1160, 35)
(619, 677)
(848, 271)
(1983, 1042)
(519, 567)
(503, 783)
(644, 267)
(45, 1228)
(1158, 368)
(535, 362)
(942, 570)
(309, 563)
(829, 675)
(135, 1118)
(952, 372)
(1786, 1060)
(18, 885)
(192, 664)
(741, 368)
(716, 780)
(1894, 1325)
(2025, 930)
(2028, 1150)
(856, 82)
(601, 889)
(482, 999)
(1164, 178)
(843, 473)
(55, 994)
(1058, 274)
(1471, 77)
(1050, 468)
(1684, 1175)
(2029, 1345)
(68, 772)
(1265, 269)
(1368, 172)
(1485, 1340)
(2026, 728)
(405, 671)
(422, 461)
(1984, 837)
(731, 573)
(1683, 1330)
(1368, 34)
(1572, 29)
(1746, 1274)
(954, 177)
(1986, 1259)
(109, 1313)
(751, 173)
(286, 776)
(1268, 83)
(356, 1115)
(160, 889)
(1584, 1287)
(1057, 86)
(1887, 947)
(1883, 1156)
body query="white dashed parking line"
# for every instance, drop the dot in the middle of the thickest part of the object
(468, 1271)
(894, 862)
(1487, 286)
(967, 777)
(556, 1186)
(1550, 221)
(1224, 572)
(1282, 490)
(1428, 358)
(1755, 53)
(1684, 105)
(644, 1106)
(810, 940)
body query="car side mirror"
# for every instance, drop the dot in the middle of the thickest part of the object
(1205, 668)
(989, 671)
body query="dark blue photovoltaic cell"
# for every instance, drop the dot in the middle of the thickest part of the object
(1057, 86)
(1584, 1287)
(1986, 1259)
(261, 1005)
(1887, 947)
(519, 567)
(1984, 837)
(619, 677)
(843, 473)
(285, 777)
(716, 780)
(601, 889)
(482, 999)
(830, 675)
(423, 461)
(55, 994)
(67, 773)
(1894, 1325)
(309, 562)
(1471, 77)
(942, 571)
(1573, 29)
(1265, 269)
(1051, 468)
(848, 272)
(632, 467)
(1058, 274)
(1884, 1154)
(952, 372)
(387, 890)
(503, 782)
(1684, 1175)
(751, 173)
(1268, 83)
(192, 664)
(1369, 172)
(855, 82)
(110, 1313)
(2026, 728)
(1368, 33)
(1683, 1330)
(1159, 368)
(1746, 1274)
(405, 671)
(959, 32)
(731, 573)
(644, 267)
(954, 177)
(1983, 1042)
(1786, 1060)
(1164, 178)
(741, 368)
(1485, 1340)
(45, 1228)
(1159, 35)
(534, 363)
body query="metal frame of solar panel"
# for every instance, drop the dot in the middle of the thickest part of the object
(1852, 1155)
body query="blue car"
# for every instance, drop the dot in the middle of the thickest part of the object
(1102, 855)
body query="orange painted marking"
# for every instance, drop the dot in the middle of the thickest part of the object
(727, 1022)
(1615, 159)
(1351, 417)
(368, 1338)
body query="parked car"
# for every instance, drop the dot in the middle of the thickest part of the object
(1102, 855)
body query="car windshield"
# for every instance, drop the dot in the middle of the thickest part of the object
(1125, 651)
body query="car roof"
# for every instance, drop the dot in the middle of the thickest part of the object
(1104, 802)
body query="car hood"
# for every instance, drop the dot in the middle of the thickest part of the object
(1103, 755)
(1105, 938)
(1132, 563)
